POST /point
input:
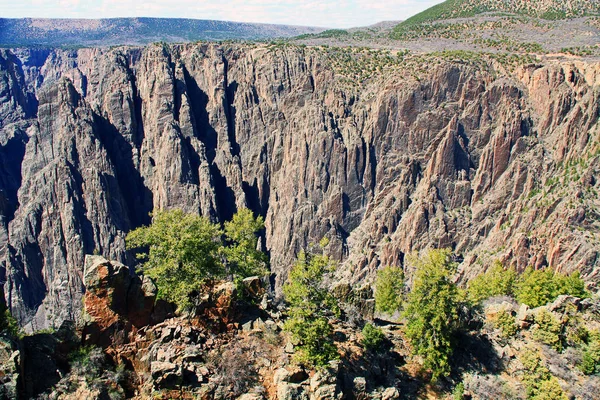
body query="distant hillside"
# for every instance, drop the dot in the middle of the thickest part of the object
(546, 9)
(134, 31)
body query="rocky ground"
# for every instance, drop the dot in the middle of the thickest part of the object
(126, 346)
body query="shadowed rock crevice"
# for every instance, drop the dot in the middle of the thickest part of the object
(11, 159)
(138, 197)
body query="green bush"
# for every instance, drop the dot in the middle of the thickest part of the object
(183, 253)
(459, 392)
(549, 390)
(547, 330)
(372, 337)
(590, 363)
(538, 381)
(431, 310)
(8, 324)
(496, 281)
(389, 288)
(310, 305)
(539, 287)
(506, 322)
(242, 259)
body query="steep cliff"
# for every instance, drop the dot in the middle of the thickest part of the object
(495, 159)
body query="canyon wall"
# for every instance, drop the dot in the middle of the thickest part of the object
(497, 162)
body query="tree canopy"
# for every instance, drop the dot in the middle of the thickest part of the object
(431, 310)
(310, 305)
(182, 252)
(389, 289)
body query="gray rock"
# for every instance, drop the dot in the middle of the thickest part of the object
(390, 393)
(360, 385)
(92, 140)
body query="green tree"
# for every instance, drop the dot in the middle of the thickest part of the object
(372, 337)
(182, 254)
(547, 330)
(389, 289)
(590, 363)
(572, 285)
(539, 287)
(506, 322)
(535, 287)
(310, 306)
(431, 310)
(539, 382)
(496, 281)
(242, 257)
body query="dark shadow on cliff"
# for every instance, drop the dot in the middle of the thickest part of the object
(208, 136)
(138, 198)
(11, 160)
(379, 367)
(45, 359)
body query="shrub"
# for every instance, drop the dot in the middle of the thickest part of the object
(497, 281)
(183, 254)
(590, 362)
(489, 387)
(540, 384)
(547, 330)
(310, 305)
(234, 370)
(534, 370)
(372, 337)
(431, 310)
(459, 392)
(242, 257)
(539, 287)
(389, 289)
(549, 390)
(506, 322)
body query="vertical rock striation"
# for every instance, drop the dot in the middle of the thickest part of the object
(494, 164)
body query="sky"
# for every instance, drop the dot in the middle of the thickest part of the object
(324, 13)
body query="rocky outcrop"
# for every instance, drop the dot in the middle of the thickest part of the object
(10, 369)
(117, 303)
(489, 159)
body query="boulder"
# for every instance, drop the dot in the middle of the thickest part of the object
(115, 302)
(563, 302)
(166, 374)
(360, 385)
(253, 287)
(390, 393)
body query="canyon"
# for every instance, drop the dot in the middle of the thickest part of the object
(495, 159)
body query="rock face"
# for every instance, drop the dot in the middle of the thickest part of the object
(492, 163)
(116, 302)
